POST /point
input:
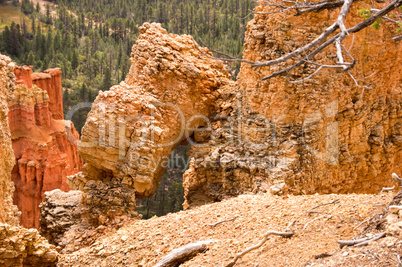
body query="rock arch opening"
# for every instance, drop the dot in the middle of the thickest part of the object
(169, 196)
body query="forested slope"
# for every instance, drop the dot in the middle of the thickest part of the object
(91, 40)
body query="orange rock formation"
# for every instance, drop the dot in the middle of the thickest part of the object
(18, 246)
(50, 81)
(45, 147)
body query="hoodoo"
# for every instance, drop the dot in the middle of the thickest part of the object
(19, 246)
(45, 146)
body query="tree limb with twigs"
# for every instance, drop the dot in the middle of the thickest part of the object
(334, 34)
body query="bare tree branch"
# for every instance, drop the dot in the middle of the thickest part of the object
(362, 241)
(300, 50)
(356, 83)
(265, 238)
(331, 29)
(399, 260)
(305, 226)
(363, 222)
(385, 189)
(301, 8)
(396, 177)
(228, 220)
(325, 39)
(376, 237)
(289, 225)
(325, 204)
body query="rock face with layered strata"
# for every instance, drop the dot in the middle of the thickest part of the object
(50, 81)
(18, 246)
(45, 147)
(324, 134)
(60, 211)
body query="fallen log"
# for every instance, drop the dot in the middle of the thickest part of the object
(183, 254)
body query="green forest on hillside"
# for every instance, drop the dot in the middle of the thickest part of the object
(91, 40)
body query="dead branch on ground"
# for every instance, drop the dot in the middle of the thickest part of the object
(399, 260)
(323, 255)
(289, 225)
(362, 241)
(183, 254)
(363, 222)
(385, 189)
(287, 233)
(325, 204)
(396, 177)
(305, 226)
(228, 220)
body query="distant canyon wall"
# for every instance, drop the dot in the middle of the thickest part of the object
(45, 146)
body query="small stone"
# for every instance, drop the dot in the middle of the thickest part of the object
(395, 209)
(277, 189)
(390, 244)
(392, 218)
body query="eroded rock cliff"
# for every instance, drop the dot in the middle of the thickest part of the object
(322, 135)
(45, 147)
(170, 92)
(50, 81)
(18, 246)
(8, 212)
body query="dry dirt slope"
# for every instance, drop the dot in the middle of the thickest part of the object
(145, 242)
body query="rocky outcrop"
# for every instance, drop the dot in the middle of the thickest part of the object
(25, 247)
(50, 81)
(8, 212)
(133, 128)
(322, 135)
(64, 221)
(45, 148)
(18, 246)
(60, 211)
